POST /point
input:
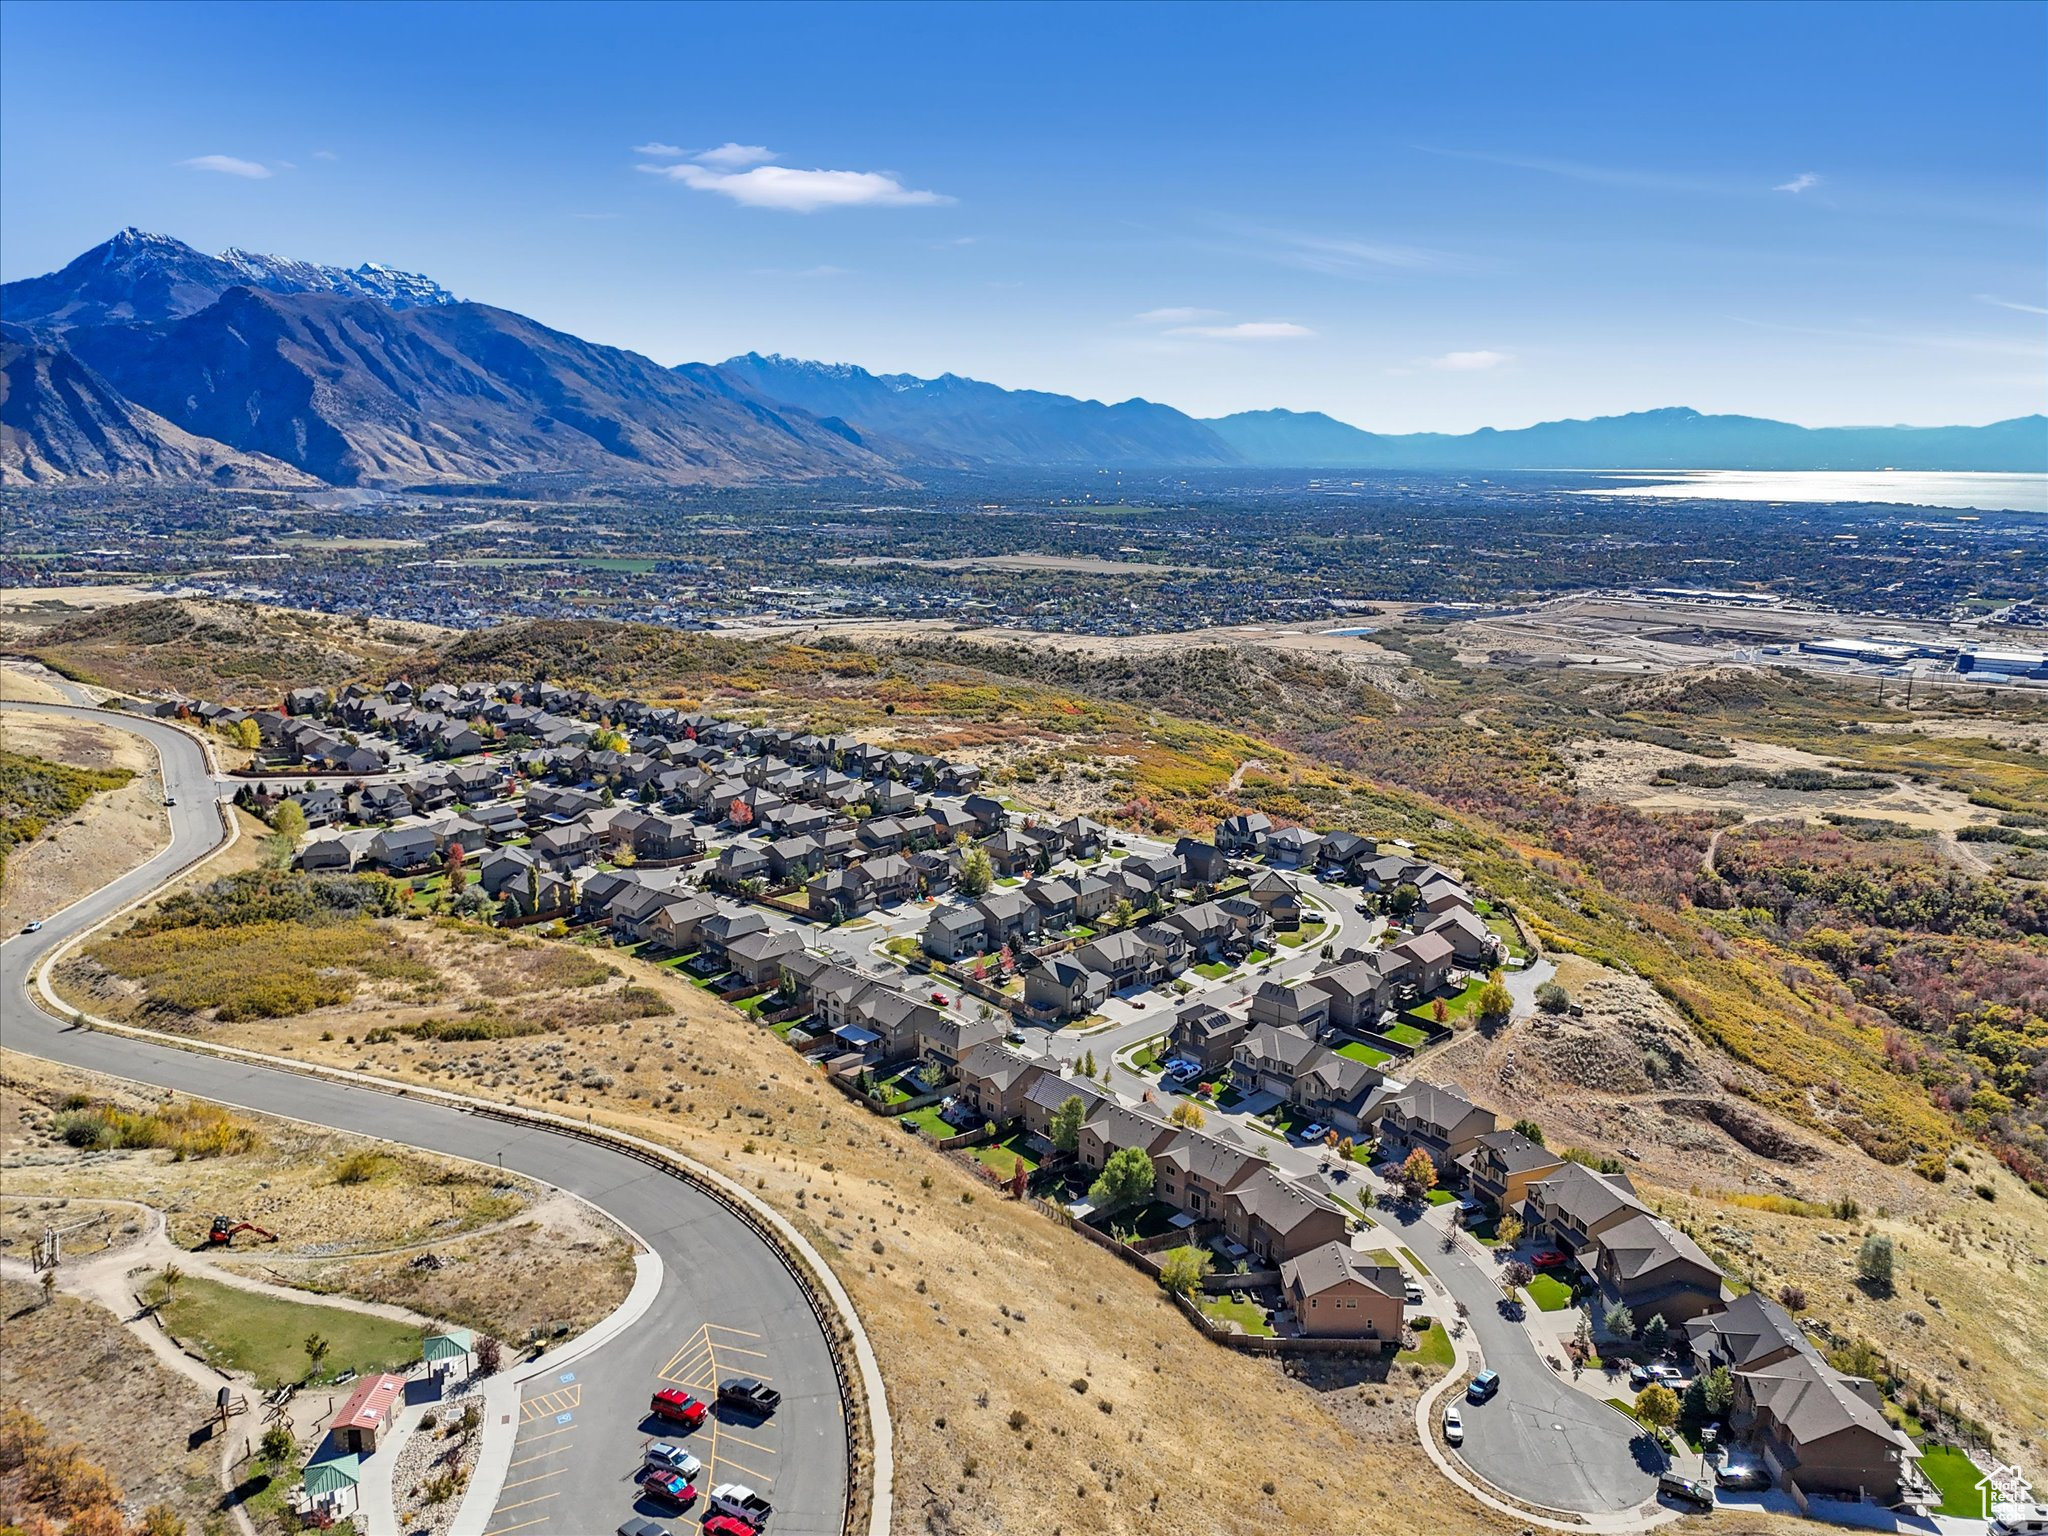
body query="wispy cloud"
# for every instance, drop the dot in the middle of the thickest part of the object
(660, 151)
(794, 191)
(1580, 170)
(1175, 315)
(325, 154)
(2012, 304)
(735, 157)
(1471, 362)
(1805, 181)
(227, 165)
(784, 187)
(1246, 330)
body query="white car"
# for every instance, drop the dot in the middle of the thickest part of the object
(741, 1502)
(1671, 1376)
(673, 1458)
(1314, 1131)
(1454, 1427)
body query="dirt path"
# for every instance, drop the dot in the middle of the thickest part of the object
(1236, 781)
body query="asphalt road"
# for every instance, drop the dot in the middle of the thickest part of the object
(1539, 1438)
(726, 1306)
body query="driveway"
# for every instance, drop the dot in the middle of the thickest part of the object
(1540, 1439)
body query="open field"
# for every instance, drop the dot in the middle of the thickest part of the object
(264, 1336)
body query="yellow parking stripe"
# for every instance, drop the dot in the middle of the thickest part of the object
(506, 1509)
(725, 1435)
(729, 1465)
(538, 1477)
(722, 1328)
(542, 1456)
(566, 1429)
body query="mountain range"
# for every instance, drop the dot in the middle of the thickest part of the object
(145, 359)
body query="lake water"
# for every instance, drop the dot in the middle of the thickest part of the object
(1983, 492)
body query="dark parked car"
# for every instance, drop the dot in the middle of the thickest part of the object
(1685, 1490)
(641, 1528)
(1737, 1475)
(749, 1395)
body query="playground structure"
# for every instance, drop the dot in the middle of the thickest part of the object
(222, 1233)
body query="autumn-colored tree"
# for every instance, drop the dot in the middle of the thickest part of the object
(1187, 1114)
(457, 864)
(1019, 1179)
(1418, 1174)
(1657, 1407)
(739, 813)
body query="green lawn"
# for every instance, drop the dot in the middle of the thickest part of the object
(1440, 1197)
(1957, 1478)
(1549, 1293)
(753, 1005)
(1358, 1050)
(1213, 970)
(1432, 1347)
(1307, 933)
(928, 1123)
(1460, 1005)
(1147, 1057)
(1406, 1034)
(266, 1336)
(1152, 1219)
(1420, 1267)
(1004, 1156)
(1258, 956)
(1248, 1315)
(1505, 930)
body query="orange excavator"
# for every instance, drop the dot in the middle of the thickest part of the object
(224, 1229)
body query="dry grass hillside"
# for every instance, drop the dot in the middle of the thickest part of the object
(237, 653)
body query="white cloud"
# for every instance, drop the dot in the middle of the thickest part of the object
(794, 191)
(1175, 315)
(2025, 309)
(734, 157)
(659, 151)
(1470, 362)
(1246, 330)
(1805, 181)
(227, 165)
(325, 154)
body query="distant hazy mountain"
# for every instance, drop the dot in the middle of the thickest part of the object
(60, 421)
(138, 276)
(352, 391)
(1673, 438)
(954, 421)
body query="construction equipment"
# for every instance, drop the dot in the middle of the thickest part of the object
(222, 1233)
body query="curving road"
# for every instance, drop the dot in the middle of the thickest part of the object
(726, 1305)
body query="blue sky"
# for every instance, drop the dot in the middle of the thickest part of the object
(1413, 218)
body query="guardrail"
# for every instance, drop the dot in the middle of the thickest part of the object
(858, 1493)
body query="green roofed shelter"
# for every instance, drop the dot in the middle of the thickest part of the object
(327, 1481)
(455, 1344)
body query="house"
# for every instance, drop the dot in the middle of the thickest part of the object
(717, 933)
(1423, 961)
(1064, 986)
(1245, 833)
(883, 834)
(1575, 1205)
(502, 868)
(1093, 896)
(955, 933)
(321, 807)
(595, 898)
(1503, 1164)
(992, 1079)
(544, 893)
(1082, 838)
(1344, 853)
(839, 894)
(1441, 1121)
(500, 820)
(1268, 1057)
(945, 1037)
(664, 839)
(382, 802)
(1043, 1096)
(1007, 916)
(563, 847)
(832, 992)
(739, 863)
(1195, 1172)
(402, 850)
(1207, 928)
(1055, 898)
(1296, 847)
(897, 1019)
(1359, 990)
(1824, 1430)
(675, 926)
(1279, 1219)
(891, 876)
(1112, 1127)
(1473, 944)
(1202, 863)
(1335, 1294)
(1305, 1007)
(757, 957)
(1340, 1091)
(1010, 852)
(988, 813)
(1653, 1269)
(1278, 897)
(1748, 1332)
(1206, 1035)
(632, 914)
(327, 853)
(1128, 958)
